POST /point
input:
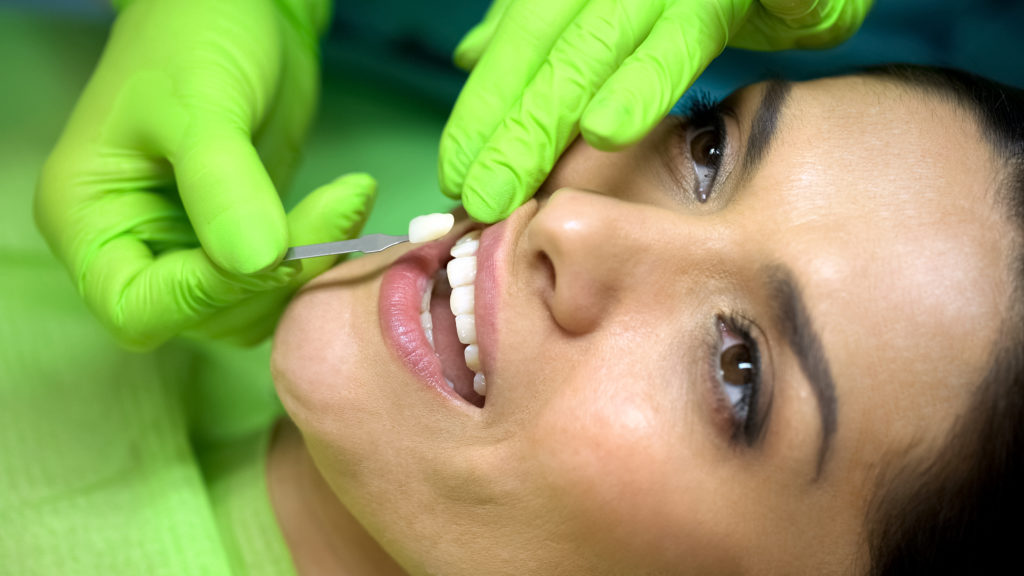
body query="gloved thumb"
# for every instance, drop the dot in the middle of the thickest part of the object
(475, 42)
(334, 211)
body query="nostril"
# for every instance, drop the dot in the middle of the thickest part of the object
(548, 271)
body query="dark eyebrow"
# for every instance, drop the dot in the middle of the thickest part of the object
(798, 329)
(766, 120)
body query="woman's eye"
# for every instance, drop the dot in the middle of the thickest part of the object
(707, 147)
(703, 138)
(739, 378)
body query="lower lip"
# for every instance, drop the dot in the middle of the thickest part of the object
(401, 292)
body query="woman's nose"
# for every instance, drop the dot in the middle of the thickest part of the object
(600, 253)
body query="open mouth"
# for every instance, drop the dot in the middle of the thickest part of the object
(448, 319)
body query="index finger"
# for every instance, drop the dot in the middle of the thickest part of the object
(520, 46)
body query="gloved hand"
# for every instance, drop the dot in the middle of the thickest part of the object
(189, 126)
(336, 211)
(548, 70)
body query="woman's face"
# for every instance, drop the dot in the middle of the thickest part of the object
(699, 352)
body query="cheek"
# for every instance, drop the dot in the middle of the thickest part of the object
(631, 172)
(627, 481)
(315, 360)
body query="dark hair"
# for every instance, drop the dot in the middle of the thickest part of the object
(955, 512)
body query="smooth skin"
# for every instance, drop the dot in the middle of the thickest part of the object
(602, 447)
(188, 129)
(544, 71)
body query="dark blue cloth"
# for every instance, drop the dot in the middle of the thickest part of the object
(409, 42)
(415, 39)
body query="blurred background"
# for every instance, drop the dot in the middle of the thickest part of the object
(70, 397)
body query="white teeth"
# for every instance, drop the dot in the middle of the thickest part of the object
(461, 276)
(462, 271)
(466, 246)
(473, 357)
(426, 321)
(428, 291)
(462, 300)
(465, 326)
(468, 237)
(428, 326)
(449, 383)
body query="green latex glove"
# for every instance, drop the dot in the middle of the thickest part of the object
(336, 211)
(545, 71)
(190, 125)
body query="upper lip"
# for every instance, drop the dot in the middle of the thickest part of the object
(496, 248)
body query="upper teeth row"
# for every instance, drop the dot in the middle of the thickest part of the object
(461, 276)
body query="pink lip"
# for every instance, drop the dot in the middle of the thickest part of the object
(401, 291)
(403, 284)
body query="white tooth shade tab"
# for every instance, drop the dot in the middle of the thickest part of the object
(461, 300)
(430, 227)
(462, 271)
(479, 384)
(472, 354)
(465, 327)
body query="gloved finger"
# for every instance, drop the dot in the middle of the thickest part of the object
(642, 91)
(519, 48)
(280, 138)
(87, 195)
(167, 233)
(145, 300)
(230, 199)
(788, 24)
(335, 211)
(473, 44)
(524, 148)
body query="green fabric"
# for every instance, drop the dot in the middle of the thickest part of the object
(544, 72)
(120, 463)
(236, 479)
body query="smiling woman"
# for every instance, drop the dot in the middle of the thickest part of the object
(779, 335)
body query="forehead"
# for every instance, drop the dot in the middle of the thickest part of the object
(883, 199)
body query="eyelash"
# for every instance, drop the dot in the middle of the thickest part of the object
(703, 111)
(747, 421)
